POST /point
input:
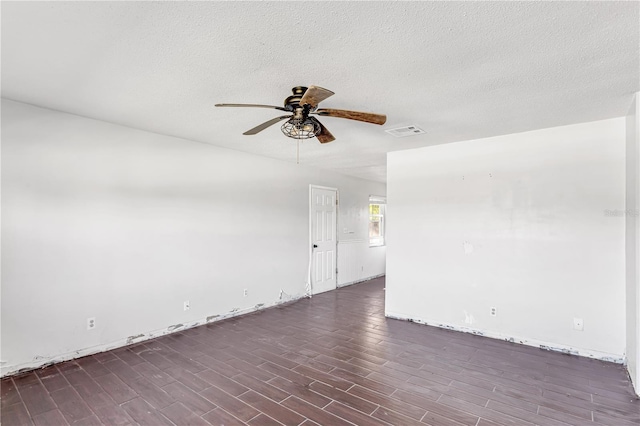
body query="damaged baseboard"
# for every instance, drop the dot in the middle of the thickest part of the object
(44, 361)
(554, 347)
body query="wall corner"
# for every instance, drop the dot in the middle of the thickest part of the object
(632, 242)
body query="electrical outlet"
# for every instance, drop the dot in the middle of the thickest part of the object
(246, 292)
(578, 324)
(493, 311)
(187, 305)
(91, 323)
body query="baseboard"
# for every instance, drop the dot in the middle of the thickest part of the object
(41, 362)
(554, 347)
(360, 281)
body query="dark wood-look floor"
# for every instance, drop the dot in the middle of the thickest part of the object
(330, 360)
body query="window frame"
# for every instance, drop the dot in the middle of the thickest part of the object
(379, 241)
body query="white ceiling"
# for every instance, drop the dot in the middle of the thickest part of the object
(459, 70)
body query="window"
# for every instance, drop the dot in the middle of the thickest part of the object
(376, 221)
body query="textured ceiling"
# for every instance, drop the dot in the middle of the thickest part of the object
(459, 70)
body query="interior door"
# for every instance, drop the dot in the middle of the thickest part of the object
(323, 239)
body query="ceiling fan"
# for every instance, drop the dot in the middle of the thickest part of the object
(302, 105)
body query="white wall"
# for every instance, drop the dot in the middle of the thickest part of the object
(515, 222)
(633, 242)
(105, 221)
(357, 261)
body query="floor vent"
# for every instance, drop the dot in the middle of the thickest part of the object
(402, 132)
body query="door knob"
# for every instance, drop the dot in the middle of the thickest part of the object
(315, 246)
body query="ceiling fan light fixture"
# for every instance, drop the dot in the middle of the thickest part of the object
(300, 128)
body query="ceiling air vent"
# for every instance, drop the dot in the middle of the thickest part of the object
(402, 132)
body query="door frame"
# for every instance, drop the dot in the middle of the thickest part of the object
(309, 285)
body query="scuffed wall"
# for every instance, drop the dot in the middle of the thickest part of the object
(528, 224)
(107, 222)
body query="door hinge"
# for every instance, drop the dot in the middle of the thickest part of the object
(336, 201)
(336, 271)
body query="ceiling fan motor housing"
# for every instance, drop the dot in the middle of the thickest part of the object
(294, 100)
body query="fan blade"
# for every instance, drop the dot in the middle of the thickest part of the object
(266, 124)
(325, 135)
(253, 106)
(314, 95)
(353, 115)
